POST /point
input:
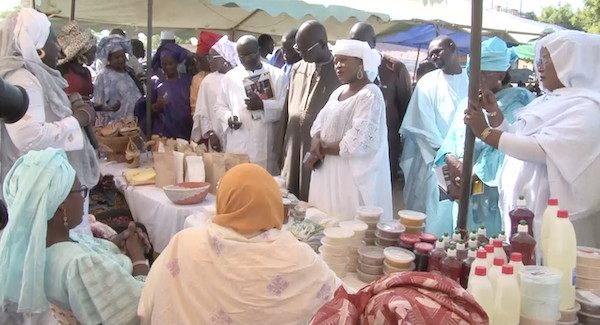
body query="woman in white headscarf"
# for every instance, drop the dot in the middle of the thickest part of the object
(552, 147)
(222, 57)
(349, 150)
(28, 58)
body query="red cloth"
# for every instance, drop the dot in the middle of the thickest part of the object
(416, 298)
(206, 40)
(78, 83)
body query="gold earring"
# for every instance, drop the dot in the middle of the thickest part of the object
(359, 74)
(41, 53)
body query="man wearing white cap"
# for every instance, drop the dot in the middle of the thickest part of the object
(167, 36)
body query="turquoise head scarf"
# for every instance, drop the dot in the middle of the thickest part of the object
(495, 55)
(33, 189)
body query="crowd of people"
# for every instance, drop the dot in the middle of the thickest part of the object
(338, 124)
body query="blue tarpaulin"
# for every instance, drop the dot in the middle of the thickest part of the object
(420, 36)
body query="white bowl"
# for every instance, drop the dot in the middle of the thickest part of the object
(187, 193)
(333, 250)
(335, 260)
(411, 218)
(398, 257)
(369, 212)
(338, 236)
(357, 226)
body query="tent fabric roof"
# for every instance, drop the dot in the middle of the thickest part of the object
(273, 17)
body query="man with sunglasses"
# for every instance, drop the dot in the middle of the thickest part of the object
(428, 118)
(312, 80)
(249, 105)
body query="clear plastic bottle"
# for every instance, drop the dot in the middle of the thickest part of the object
(562, 255)
(461, 250)
(451, 265)
(481, 260)
(507, 298)
(505, 243)
(520, 213)
(495, 271)
(466, 270)
(524, 243)
(516, 260)
(489, 249)
(499, 251)
(547, 218)
(482, 236)
(480, 288)
(436, 256)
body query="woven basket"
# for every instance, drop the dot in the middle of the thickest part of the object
(118, 144)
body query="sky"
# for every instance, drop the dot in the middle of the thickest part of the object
(528, 5)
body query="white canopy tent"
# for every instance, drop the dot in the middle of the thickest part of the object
(226, 16)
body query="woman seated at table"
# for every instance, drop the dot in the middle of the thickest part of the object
(349, 149)
(41, 263)
(241, 268)
(494, 80)
(171, 112)
(552, 148)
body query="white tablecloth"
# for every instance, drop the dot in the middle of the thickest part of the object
(150, 206)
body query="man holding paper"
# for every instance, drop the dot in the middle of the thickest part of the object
(249, 106)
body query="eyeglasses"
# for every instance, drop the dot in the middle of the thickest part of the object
(308, 50)
(83, 191)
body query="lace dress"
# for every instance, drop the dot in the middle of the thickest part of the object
(360, 174)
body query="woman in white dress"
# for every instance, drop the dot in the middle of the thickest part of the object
(552, 147)
(349, 146)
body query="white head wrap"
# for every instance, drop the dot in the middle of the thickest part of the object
(359, 49)
(21, 34)
(575, 58)
(31, 33)
(227, 49)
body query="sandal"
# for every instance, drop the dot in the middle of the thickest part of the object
(110, 130)
(132, 154)
(129, 126)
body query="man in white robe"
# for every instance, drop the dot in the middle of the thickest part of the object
(426, 123)
(222, 57)
(250, 122)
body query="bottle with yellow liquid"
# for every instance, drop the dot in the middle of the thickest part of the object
(562, 255)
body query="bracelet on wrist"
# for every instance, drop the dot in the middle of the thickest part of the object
(140, 262)
(486, 133)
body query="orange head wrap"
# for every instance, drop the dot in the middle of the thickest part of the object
(249, 200)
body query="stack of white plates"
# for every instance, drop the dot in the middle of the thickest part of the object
(359, 228)
(334, 249)
(369, 215)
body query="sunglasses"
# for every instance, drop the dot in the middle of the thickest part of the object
(308, 50)
(83, 191)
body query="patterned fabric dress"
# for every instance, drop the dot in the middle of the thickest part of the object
(415, 298)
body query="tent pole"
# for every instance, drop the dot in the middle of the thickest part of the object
(416, 64)
(72, 10)
(466, 181)
(149, 73)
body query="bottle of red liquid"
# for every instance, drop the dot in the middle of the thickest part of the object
(436, 257)
(521, 213)
(482, 236)
(522, 242)
(466, 269)
(461, 250)
(452, 266)
(505, 243)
